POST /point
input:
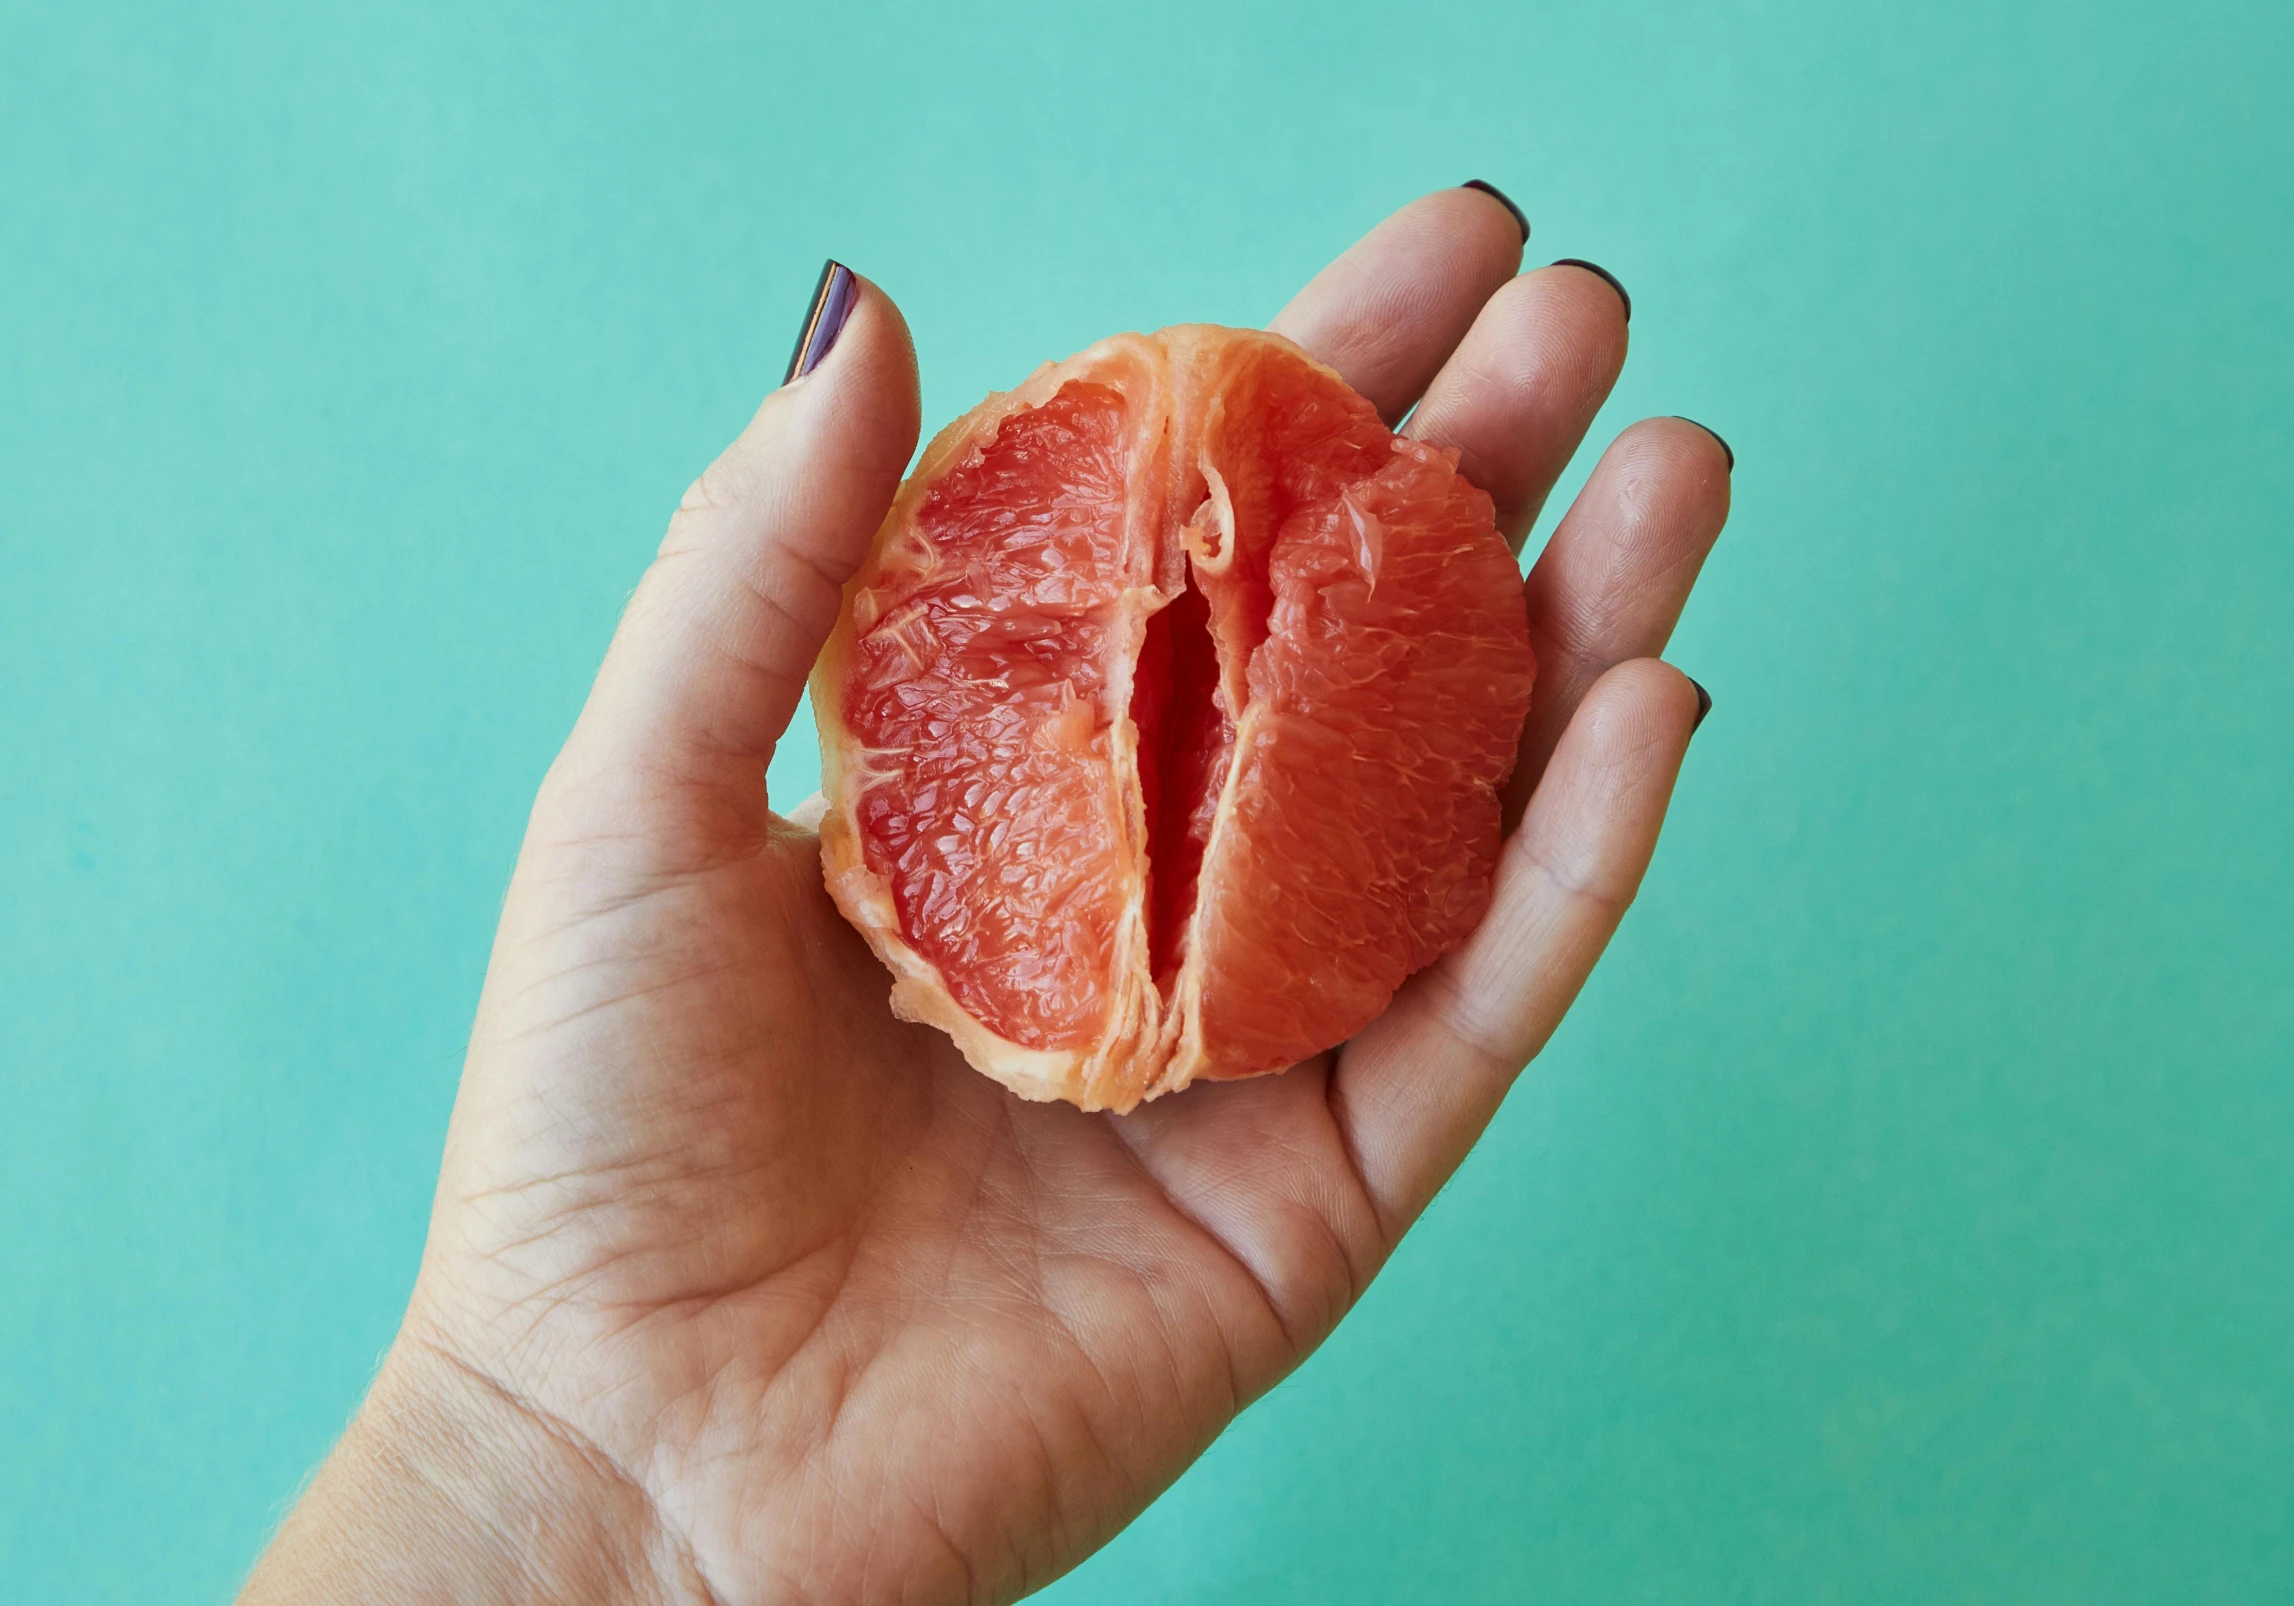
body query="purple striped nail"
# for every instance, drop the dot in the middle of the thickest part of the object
(832, 300)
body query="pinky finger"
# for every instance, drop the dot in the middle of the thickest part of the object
(1413, 1092)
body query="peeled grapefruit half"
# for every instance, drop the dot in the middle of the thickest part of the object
(1163, 727)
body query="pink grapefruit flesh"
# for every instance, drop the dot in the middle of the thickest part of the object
(1163, 727)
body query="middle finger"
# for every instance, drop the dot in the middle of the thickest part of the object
(1518, 394)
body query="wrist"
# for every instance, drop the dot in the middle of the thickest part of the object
(448, 1488)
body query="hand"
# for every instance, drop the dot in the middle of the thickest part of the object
(740, 1289)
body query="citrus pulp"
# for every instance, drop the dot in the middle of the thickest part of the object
(1162, 728)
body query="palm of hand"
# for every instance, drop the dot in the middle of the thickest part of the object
(791, 1264)
(851, 1317)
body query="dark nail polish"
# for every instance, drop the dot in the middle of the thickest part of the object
(1604, 273)
(1715, 434)
(1704, 704)
(1502, 199)
(832, 300)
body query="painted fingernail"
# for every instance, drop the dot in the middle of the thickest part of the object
(1502, 199)
(832, 301)
(1704, 704)
(1715, 434)
(1611, 279)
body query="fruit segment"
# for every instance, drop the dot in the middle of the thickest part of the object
(981, 686)
(1163, 727)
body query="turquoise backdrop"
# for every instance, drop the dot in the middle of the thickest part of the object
(1905, 1215)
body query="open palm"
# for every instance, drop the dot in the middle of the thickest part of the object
(819, 1312)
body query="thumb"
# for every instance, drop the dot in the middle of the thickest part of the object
(712, 652)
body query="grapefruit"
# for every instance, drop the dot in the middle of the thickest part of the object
(1162, 728)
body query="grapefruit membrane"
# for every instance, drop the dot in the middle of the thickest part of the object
(1162, 729)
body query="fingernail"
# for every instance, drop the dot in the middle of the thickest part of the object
(1597, 268)
(1704, 704)
(1715, 434)
(1502, 199)
(832, 300)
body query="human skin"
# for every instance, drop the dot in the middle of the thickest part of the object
(740, 1290)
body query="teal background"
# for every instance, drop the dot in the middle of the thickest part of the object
(1905, 1214)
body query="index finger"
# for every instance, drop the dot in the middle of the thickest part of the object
(1389, 311)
